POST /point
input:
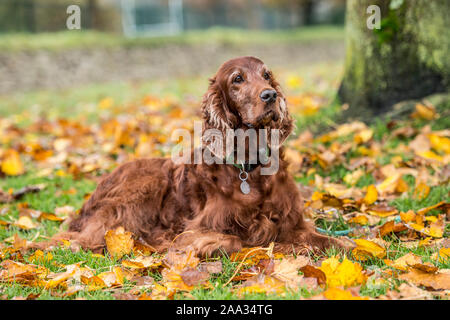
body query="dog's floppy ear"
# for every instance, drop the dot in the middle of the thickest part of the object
(285, 122)
(214, 108)
(217, 116)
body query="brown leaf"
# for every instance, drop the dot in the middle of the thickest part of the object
(193, 277)
(436, 281)
(391, 227)
(179, 260)
(211, 267)
(124, 296)
(313, 272)
(425, 267)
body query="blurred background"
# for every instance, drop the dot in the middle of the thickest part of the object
(128, 49)
(168, 16)
(140, 40)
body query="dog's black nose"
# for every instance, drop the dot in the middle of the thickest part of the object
(268, 95)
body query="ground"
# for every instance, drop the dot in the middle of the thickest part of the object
(375, 184)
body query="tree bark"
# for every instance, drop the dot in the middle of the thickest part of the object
(408, 58)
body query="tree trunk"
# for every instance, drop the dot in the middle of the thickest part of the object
(407, 58)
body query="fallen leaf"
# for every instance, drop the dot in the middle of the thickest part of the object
(313, 272)
(359, 219)
(404, 262)
(391, 227)
(25, 223)
(367, 249)
(262, 284)
(382, 210)
(193, 277)
(119, 242)
(436, 281)
(211, 267)
(424, 112)
(345, 273)
(11, 164)
(442, 255)
(371, 195)
(421, 191)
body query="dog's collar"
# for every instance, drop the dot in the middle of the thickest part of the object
(248, 167)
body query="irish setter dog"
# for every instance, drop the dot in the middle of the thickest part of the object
(202, 205)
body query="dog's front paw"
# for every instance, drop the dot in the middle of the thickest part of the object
(209, 247)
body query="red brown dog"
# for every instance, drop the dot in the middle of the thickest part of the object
(157, 199)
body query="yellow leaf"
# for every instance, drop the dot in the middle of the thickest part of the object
(294, 82)
(61, 277)
(142, 262)
(382, 211)
(25, 223)
(435, 230)
(109, 279)
(443, 255)
(365, 248)
(11, 164)
(439, 143)
(39, 256)
(435, 206)
(430, 155)
(389, 184)
(424, 112)
(119, 242)
(93, 283)
(262, 284)
(353, 177)
(371, 195)
(363, 136)
(345, 273)
(106, 103)
(425, 242)
(404, 262)
(316, 196)
(360, 219)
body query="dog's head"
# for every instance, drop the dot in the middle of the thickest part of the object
(244, 94)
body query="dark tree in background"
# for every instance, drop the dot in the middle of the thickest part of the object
(408, 58)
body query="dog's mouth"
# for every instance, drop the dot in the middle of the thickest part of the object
(266, 118)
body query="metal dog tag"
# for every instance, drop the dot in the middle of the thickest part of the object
(243, 175)
(245, 187)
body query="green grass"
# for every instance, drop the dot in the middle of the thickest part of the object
(67, 40)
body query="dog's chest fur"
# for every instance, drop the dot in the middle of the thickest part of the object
(254, 217)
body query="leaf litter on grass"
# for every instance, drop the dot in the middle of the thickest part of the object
(386, 190)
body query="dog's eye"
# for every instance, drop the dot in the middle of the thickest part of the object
(238, 79)
(266, 75)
